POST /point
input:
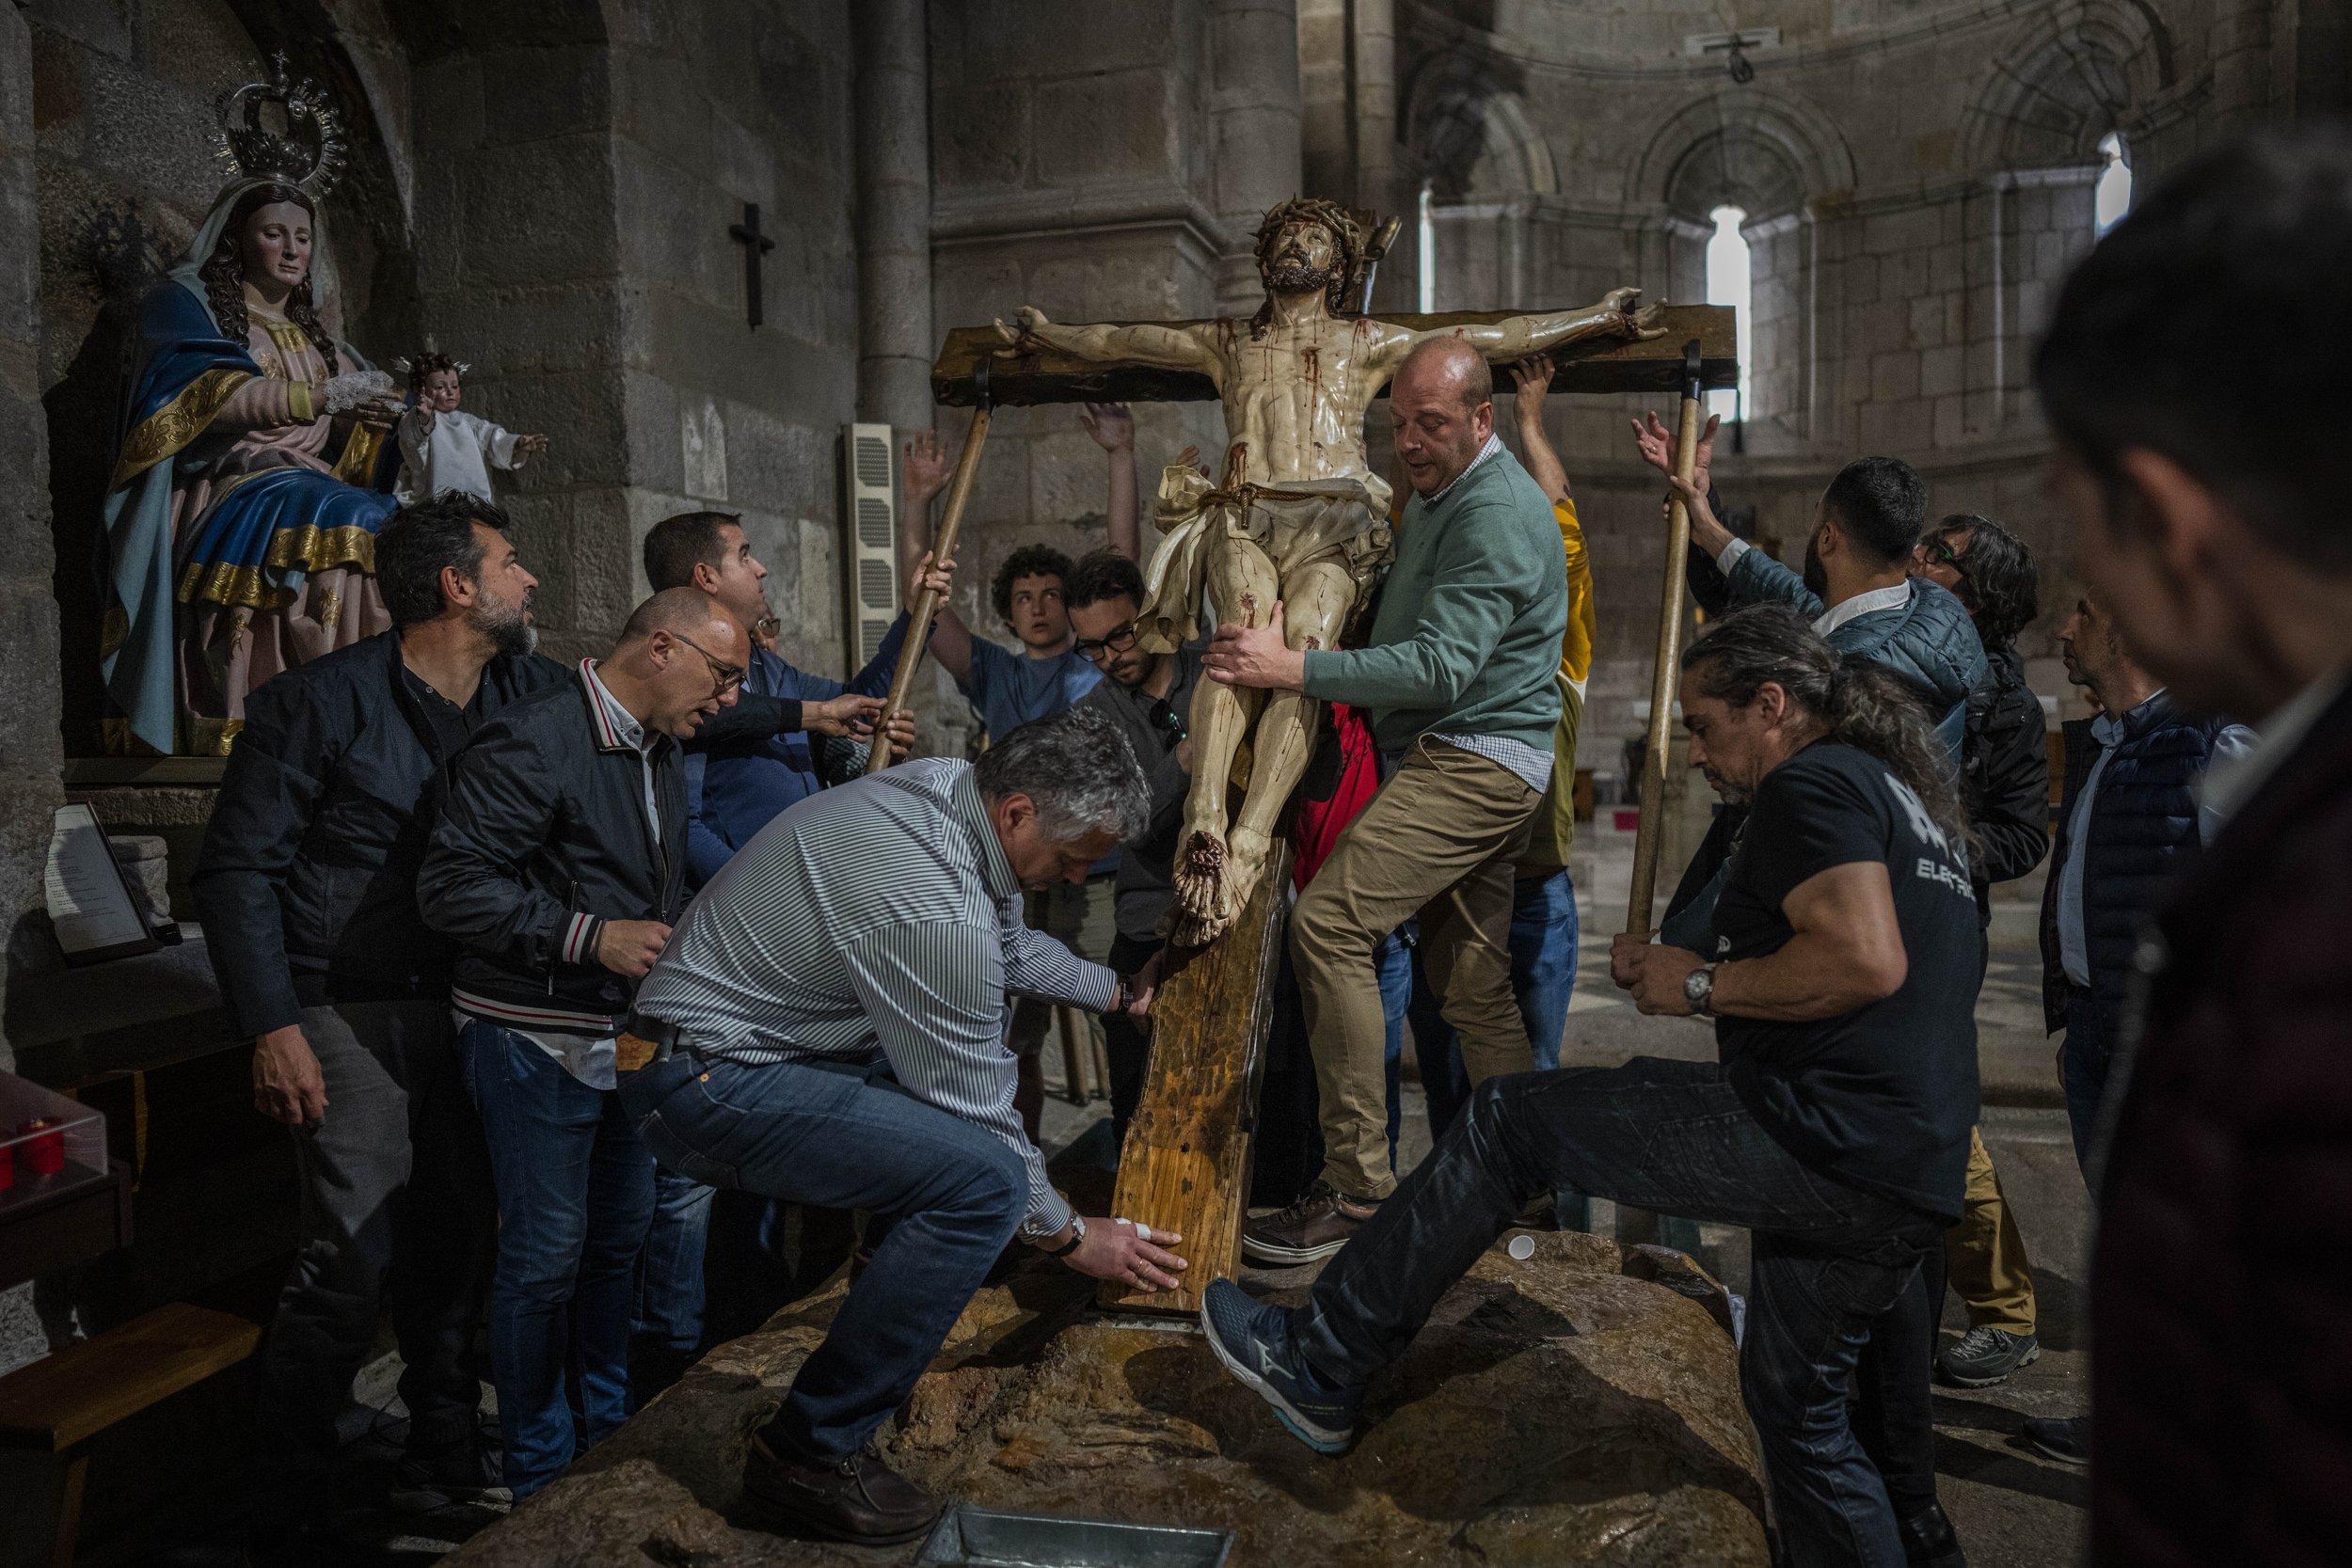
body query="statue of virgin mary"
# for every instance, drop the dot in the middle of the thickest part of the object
(253, 472)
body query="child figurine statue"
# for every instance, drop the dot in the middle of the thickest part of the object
(442, 447)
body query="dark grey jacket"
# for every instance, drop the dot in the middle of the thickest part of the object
(307, 883)
(542, 840)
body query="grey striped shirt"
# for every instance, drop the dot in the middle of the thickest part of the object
(881, 918)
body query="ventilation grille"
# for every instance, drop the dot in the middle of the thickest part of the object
(872, 508)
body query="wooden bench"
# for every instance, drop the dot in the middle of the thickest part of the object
(56, 1405)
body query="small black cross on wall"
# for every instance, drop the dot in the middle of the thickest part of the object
(755, 244)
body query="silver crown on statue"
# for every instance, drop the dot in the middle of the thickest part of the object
(253, 151)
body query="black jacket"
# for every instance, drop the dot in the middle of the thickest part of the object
(544, 839)
(2143, 825)
(307, 883)
(2005, 776)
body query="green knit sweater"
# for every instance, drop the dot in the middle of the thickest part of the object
(1467, 638)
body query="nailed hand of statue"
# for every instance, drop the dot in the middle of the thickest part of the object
(1022, 335)
(1638, 322)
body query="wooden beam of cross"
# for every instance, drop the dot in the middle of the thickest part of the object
(1021, 379)
(1185, 1164)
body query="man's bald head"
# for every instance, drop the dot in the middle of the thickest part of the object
(683, 611)
(1442, 401)
(679, 659)
(1448, 362)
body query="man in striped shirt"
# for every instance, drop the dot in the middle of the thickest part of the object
(828, 1026)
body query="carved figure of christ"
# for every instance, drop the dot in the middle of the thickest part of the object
(1295, 383)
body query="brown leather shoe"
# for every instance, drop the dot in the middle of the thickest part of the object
(858, 1499)
(1318, 1224)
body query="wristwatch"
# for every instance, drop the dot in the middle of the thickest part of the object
(1698, 988)
(1123, 992)
(1077, 1234)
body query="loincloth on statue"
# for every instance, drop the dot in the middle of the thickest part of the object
(1295, 525)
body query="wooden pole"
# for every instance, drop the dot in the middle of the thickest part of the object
(1648, 833)
(926, 604)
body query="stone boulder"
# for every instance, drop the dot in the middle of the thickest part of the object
(1578, 1407)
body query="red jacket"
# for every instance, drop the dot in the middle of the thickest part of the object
(2221, 1296)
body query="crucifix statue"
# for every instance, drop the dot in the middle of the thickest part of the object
(1299, 518)
(755, 244)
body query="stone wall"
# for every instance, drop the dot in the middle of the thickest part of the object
(1916, 182)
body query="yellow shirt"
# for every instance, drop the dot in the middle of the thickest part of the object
(1555, 820)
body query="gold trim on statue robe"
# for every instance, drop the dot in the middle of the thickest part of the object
(188, 415)
(309, 549)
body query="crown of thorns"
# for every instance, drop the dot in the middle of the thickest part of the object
(253, 151)
(1352, 230)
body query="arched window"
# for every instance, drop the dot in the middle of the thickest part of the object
(2112, 196)
(1728, 284)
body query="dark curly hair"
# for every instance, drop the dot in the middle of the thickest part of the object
(1999, 582)
(223, 272)
(1333, 217)
(422, 365)
(1030, 561)
(1103, 575)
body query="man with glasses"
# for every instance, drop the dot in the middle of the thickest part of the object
(558, 866)
(1147, 695)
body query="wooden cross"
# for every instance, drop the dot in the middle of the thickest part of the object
(1186, 1165)
(755, 244)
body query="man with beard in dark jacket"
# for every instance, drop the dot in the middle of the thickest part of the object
(306, 889)
(2004, 782)
(2208, 499)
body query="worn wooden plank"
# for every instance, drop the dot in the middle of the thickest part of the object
(1653, 365)
(84, 1388)
(1185, 1165)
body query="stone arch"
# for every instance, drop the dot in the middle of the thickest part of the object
(1762, 151)
(2066, 79)
(1472, 135)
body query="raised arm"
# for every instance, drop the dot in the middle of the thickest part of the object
(928, 471)
(1112, 427)
(1616, 316)
(1174, 348)
(1532, 379)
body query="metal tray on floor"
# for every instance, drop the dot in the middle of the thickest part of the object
(968, 1537)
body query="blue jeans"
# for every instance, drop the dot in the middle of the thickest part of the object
(1543, 977)
(846, 1137)
(575, 1190)
(669, 1312)
(1393, 964)
(1673, 1136)
(2089, 1052)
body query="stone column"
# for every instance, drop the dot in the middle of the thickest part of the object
(31, 752)
(1376, 106)
(894, 214)
(1254, 115)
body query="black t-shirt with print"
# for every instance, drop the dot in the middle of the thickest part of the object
(1880, 1098)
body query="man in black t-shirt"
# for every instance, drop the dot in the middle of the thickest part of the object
(1834, 1128)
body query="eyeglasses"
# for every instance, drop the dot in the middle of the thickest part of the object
(1939, 552)
(1117, 643)
(724, 677)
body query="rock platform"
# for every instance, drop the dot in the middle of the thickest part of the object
(1580, 1407)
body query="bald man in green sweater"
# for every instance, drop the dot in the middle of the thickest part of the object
(1460, 678)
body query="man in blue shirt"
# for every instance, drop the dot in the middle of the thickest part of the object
(789, 733)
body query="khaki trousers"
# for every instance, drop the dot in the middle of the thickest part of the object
(1984, 1253)
(1438, 840)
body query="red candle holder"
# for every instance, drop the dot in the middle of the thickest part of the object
(44, 1150)
(7, 1166)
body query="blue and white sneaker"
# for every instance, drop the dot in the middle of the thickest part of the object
(1254, 1341)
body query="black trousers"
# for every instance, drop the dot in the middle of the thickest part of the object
(396, 1196)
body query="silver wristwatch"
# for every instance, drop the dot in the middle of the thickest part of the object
(1698, 988)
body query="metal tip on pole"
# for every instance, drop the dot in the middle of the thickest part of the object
(1693, 374)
